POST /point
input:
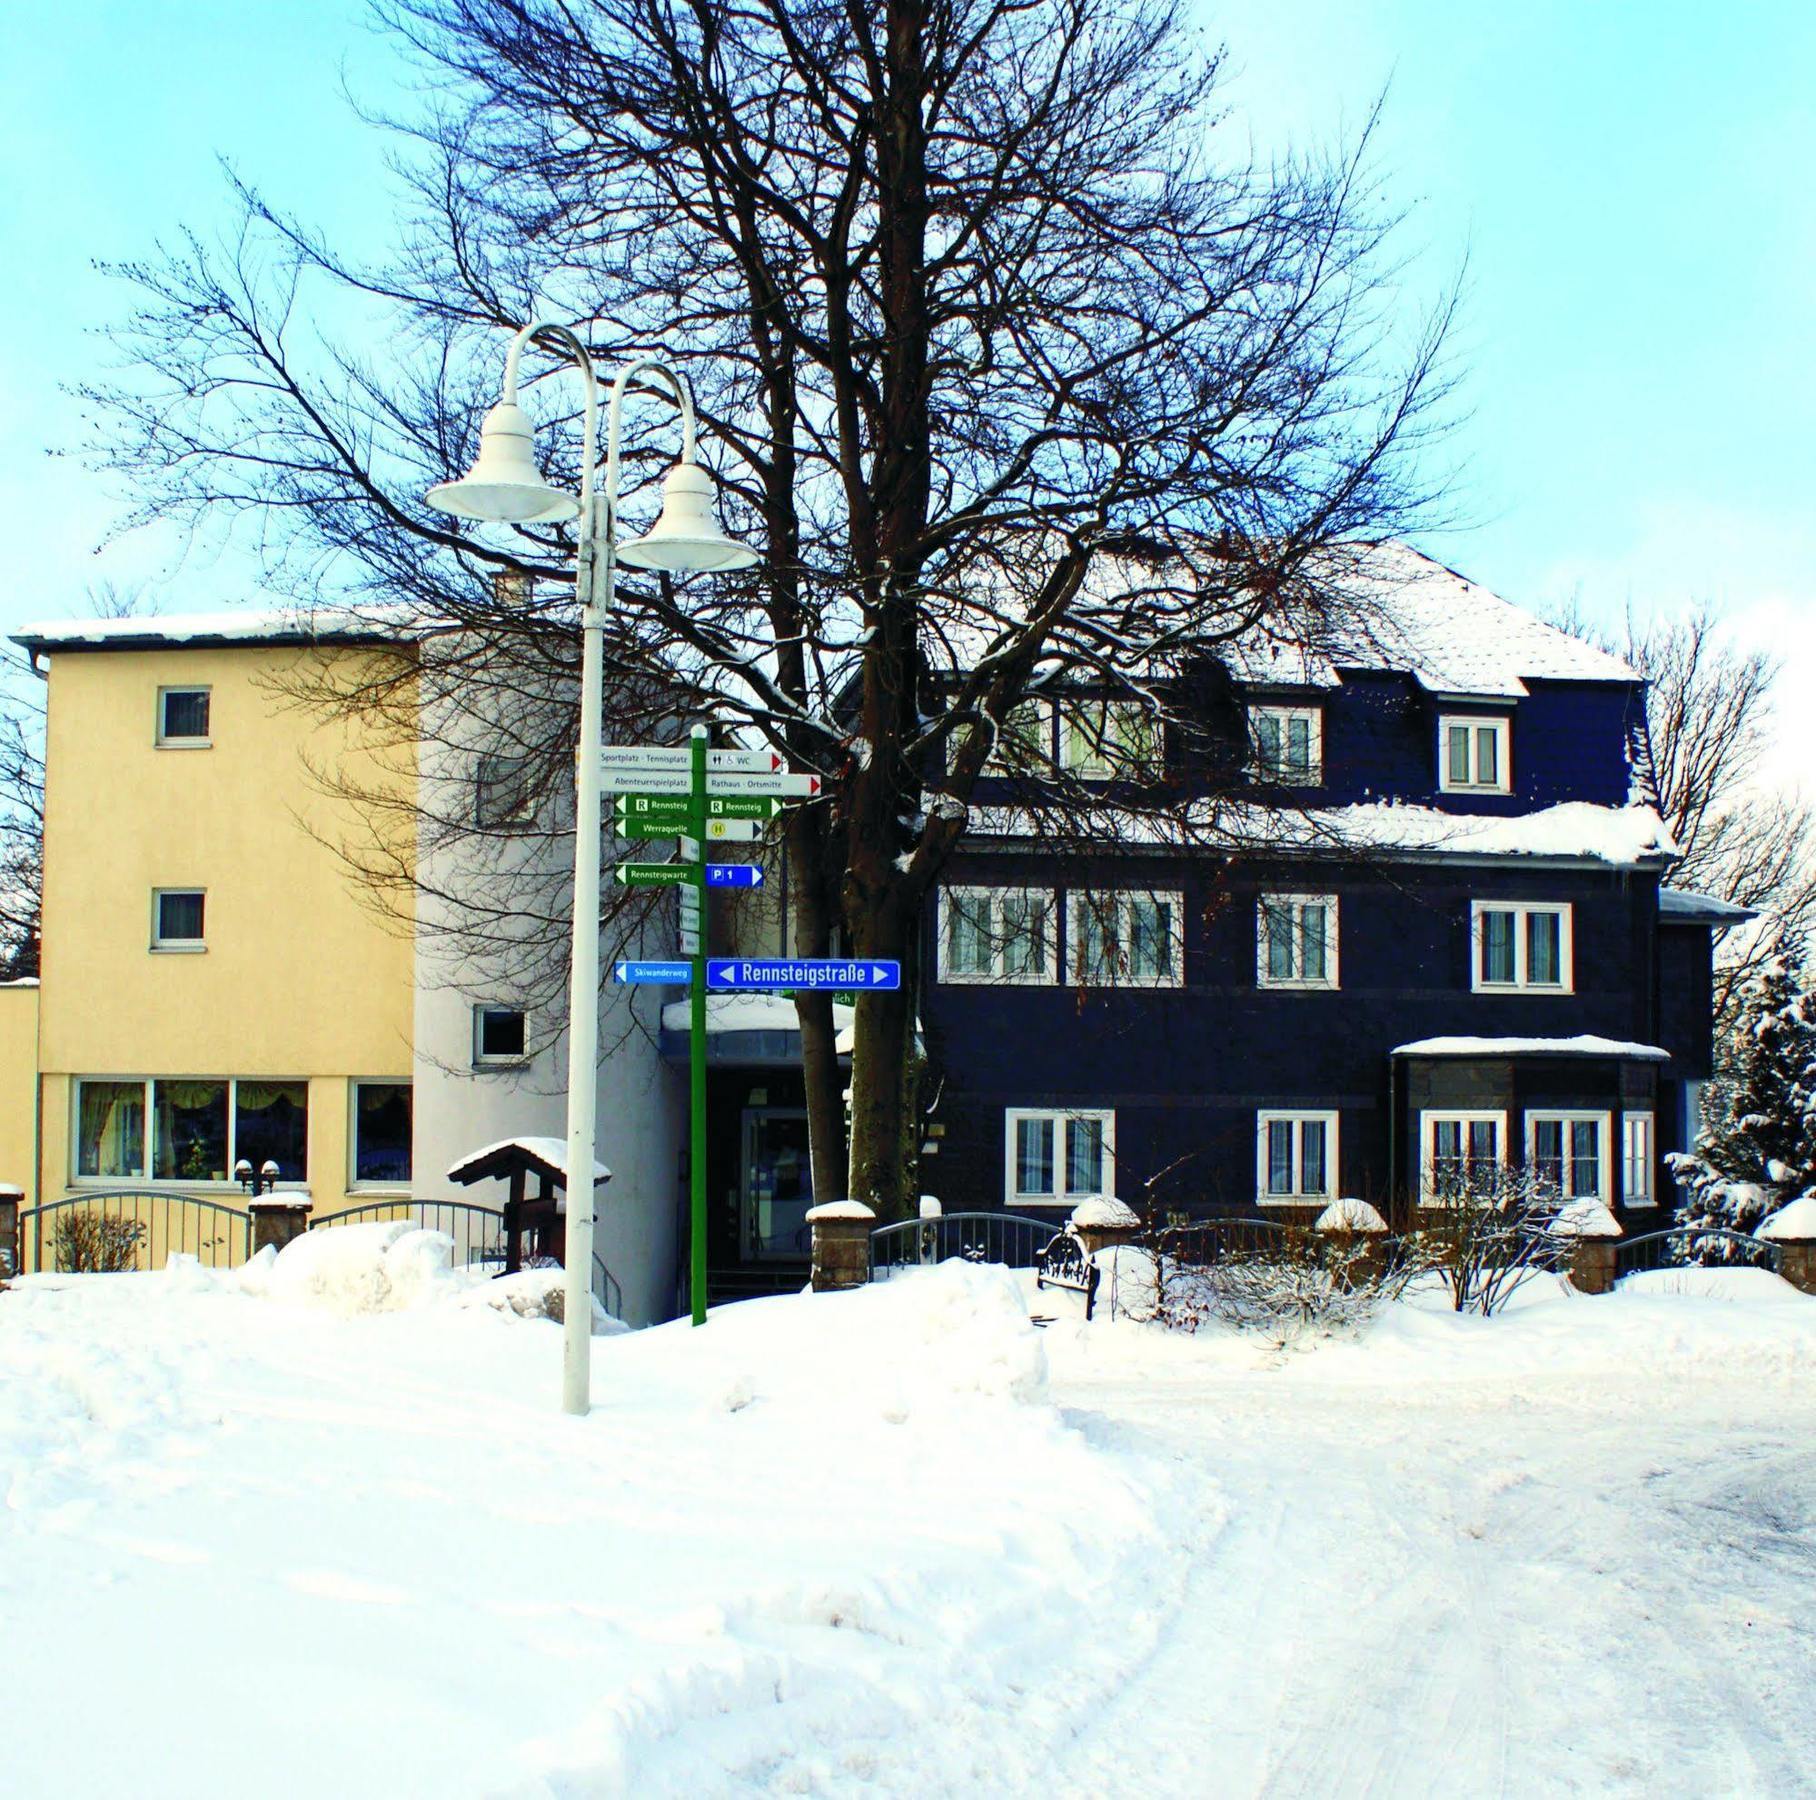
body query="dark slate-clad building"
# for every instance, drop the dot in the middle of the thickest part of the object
(1423, 929)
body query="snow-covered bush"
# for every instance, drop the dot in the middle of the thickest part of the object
(363, 1268)
(535, 1293)
(1758, 1153)
(1282, 1284)
(1490, 1235)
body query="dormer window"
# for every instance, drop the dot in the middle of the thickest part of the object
(1472, 756)
(1289, 744)
(1099, 739)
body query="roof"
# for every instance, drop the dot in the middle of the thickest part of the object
(1582, 1045)
(1677, 906)
(377, 624)
(540, 1155)
(1574, 830)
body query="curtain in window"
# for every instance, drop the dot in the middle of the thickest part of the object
(110, 1128)
(1279, 1156)
(1585, 1159)
(1311, 943)
(1279, 940)
(1150, 938)
(1084, 1157)
(1024, 934)
(1267, 744)
(1298, 760)
(968, 949)
(189, 1130)
(1097, 947)
(381, 1132)
(1311, 1157)
(1034, 1156)
(271, 1124)
(1488, 765)
(1548, 1151)
(1544, 948)
(1458, 753)
(1497, 947)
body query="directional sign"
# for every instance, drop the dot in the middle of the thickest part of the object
(689, 942)
(640, 805)
(734, 875)
(689, 848)
(617, 777)
(669, 974)
(772, 785)
(743, 806)
(733, 831)
(690, 903)
(800, 972)
(655, 874)
(663, 756)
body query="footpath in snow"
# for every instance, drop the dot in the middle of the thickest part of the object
(257, 1537)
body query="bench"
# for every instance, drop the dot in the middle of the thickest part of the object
(1065, 1263)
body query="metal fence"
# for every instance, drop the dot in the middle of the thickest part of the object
(983, 1237)
(477, 1231)
(1691, 1246)
(117, 1231)
(1203, 1243)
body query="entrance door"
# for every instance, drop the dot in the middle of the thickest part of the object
(777, 1185)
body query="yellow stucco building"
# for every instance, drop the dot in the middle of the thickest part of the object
(216, 986)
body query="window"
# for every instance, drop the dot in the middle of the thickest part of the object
(499, 1035)
(1459, 1149)
(1295, 1157)
(1101, 738)
(183, 718)
(1289, 744)
(502, 794)
(1297, 941)
(1472, 756)
(1025, 742)
(1127, 939)
(1521, 947)
(1569, 1150)
(188, 1129)
(381, 1133)
(1059, 1158)
(1636, 1159)
(997, 934)
(176, 918)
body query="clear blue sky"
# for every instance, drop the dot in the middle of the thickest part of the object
(1629, 180)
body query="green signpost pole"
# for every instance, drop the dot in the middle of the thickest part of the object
(696, 1043)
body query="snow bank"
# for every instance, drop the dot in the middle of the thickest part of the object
(350, 1269)
(533, 1294)
(1737, 1286)
(1798, 1220)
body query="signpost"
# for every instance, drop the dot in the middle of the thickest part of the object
(697, 796)
(789, 973)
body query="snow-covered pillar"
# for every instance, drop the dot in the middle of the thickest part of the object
(1594, 1235)
(841, 1244)
(278, 1219)
(10, 1198)
(1099, 1223)
(1792, 1231)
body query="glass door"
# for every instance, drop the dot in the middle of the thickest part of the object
(777, 1186)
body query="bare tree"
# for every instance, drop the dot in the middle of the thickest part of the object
(21, 821)
(1021, 388)
(1710, 719)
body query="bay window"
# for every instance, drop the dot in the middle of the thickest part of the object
(1637, 1160)
(1459, 1151)
(1569, 1150)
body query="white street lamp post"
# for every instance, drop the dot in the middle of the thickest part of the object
(505, 485)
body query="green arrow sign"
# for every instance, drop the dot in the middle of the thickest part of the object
(658, 874)
(666, 805)
(743, 806)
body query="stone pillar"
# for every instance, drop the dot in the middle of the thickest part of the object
(1592, 1265)
(1097, 1224)
(278, 1219)
(841, 1244)
(10, 1197)
(1797, 1261)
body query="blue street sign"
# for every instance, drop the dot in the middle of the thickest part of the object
(734, 874)
(800, 972)
(669, 974)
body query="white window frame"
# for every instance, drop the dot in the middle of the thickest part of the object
(177, 946)
(1314, 718)
(166, 742)
(522, 810)
(148, 1151)
(1072, 742)
(1430, 1120)
(1502, 727)
(481, 1060)
(1639, 1156)
(1566, 1117)
(1080, 901)
(354, 1184)
(1297, 903)
(1043, 744)
(1061, 1117)
(1522, 910)
(1048, 973)
(1297, 1117)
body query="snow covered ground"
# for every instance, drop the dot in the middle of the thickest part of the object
(897, 1542)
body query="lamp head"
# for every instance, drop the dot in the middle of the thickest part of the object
(687, 535)
(504, 484)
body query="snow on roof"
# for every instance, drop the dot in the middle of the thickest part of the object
(549, 1150)
(251, 625)
(1798, 1220)
(1575, 830)
(1581, 1045)
(1701, 909)
(747, 1012)
(24, 981)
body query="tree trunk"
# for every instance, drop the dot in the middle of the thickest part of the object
(882, 1081)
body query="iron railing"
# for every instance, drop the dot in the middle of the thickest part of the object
(477, 1231)
(126, 1229)
(1013, 1239)
(1203, 1243)
(1690, 1246)
(606, 1289)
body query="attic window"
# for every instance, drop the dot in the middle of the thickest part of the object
(1472, 756)
(1289, 744)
